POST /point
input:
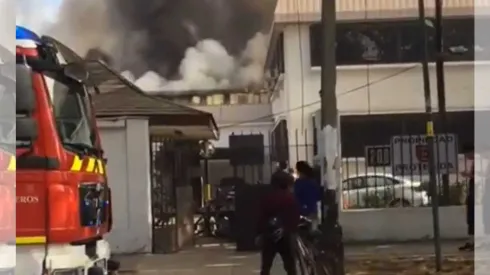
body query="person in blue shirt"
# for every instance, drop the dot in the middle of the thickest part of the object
(307, 191)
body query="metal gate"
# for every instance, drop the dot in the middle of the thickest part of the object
(163, 197)
(172, 197)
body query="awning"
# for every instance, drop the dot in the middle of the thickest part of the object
(294, 11)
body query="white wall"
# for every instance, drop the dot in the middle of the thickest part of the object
(402, 224)
(126, 146)
(396, 88)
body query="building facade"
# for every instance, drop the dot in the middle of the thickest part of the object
(379, 75)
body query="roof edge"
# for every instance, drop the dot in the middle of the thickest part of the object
(141, 92)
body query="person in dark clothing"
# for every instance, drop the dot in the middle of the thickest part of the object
(279, 206)
(283, 166)
(470, 201)
(308, 192)
(281, 173)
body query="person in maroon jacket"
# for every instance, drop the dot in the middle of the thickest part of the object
(278, 222)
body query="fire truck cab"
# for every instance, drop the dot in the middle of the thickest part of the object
(63, 205)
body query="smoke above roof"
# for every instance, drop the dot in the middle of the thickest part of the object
(169, 45)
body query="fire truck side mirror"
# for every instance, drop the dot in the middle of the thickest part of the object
(77, 72)
(26, 128)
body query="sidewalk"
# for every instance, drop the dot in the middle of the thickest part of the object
(222, 259)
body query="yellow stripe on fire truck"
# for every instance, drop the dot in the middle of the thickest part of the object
(92, 165)
(30, 240)
(12, 164)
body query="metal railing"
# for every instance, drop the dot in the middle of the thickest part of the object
(391, 171)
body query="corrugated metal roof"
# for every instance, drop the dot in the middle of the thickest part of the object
(127, 102)
(119, 97)
(292, 11)
(117, 94)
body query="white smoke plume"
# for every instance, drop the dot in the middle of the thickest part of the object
(208, 66)
(168, 45)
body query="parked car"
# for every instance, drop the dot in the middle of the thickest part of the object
(382, 190)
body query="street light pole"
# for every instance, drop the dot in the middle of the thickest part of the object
(441, 92)
(330, 135)
(430, 136)
(329, 113)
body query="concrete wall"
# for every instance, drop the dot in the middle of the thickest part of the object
(401, 224)
(126, 146)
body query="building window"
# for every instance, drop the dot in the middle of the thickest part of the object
(217, 99)
(386, 42)
(264, 98)
(196, 100)
(459, 39)
(411, 45)
(367, 43)
(315, 137)
(239, 98)
(277, 64)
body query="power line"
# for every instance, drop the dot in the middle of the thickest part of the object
(318, 101)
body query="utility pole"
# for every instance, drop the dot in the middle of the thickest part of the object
(430, 136)
(441, 92)
(330, 135)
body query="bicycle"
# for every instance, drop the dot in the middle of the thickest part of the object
(214, 221)
(312, 258)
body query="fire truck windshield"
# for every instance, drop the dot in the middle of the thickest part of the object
(71, 110)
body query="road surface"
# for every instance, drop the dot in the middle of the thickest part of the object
(222, 259)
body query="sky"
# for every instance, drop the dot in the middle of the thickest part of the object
(36, 14)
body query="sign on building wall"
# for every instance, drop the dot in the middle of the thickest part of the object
(378, 155)
(411, 154)
(247, 149)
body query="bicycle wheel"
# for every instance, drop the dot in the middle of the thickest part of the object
(302, 265)
(301, 257)
(325, 264)
(307, 261)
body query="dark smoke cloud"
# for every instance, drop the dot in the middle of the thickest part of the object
(170, 27)
(153, 35)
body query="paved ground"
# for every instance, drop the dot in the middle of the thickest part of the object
(222, 259)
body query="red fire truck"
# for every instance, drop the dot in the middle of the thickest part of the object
(63, 205)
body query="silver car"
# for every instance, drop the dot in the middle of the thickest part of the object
(382, 190)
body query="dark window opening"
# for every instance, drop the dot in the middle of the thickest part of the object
(400, 41)
(276, 65)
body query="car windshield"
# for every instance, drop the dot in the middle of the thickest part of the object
(70, 108)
